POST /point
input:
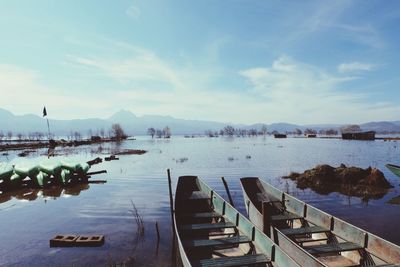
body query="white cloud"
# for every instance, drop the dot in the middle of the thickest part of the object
(133, 11)
(23, 92)
(298, 92)
(355, 66)
(287, 91)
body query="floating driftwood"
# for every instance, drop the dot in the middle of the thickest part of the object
(352, 181)
(131, 152)
(112, 157)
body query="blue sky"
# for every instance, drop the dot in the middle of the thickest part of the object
(236, 61)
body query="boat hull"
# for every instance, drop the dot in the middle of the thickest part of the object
(377, 249)
(394, 168)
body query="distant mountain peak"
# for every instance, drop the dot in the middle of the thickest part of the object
(122, 115)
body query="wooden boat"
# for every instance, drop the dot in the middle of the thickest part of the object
(394, 168)
(332, 241)
(210, 232)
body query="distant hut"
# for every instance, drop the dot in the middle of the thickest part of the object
(311, 135)
(370, 135)
(278, 135)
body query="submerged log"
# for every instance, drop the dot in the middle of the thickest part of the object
(352, 181)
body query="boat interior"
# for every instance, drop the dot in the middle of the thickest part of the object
(213, 233)
(332, 241)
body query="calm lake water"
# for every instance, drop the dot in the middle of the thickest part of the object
(28, 219)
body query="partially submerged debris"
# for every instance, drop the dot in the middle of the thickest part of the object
(112, 157)
(352, 181)
(95, 161)
(394, 201)
(131, 152)
(182, 160)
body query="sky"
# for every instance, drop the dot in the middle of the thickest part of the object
(239, 61)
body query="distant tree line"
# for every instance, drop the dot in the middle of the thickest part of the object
(115, 132)
(165, 133)
(230, 131)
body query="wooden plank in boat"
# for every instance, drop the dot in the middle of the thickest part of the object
(304, 230)
(338, 261)
(246, 260)
(285, 217)
(199, 195)
(331, 248)
(217, 242)
(201, 215)
(207, 226)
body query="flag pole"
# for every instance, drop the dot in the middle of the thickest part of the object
(48, 127)
(47, 119)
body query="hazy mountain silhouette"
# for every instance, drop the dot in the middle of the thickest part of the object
(135, 125)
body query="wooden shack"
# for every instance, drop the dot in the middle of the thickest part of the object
(370, 135)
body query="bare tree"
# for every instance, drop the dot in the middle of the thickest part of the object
(77, 136)
(117, 131)
(310, 131)
(1, 135)
(159, 133)
(90, 133)
(102, 133)
(252, 132)
(229, 130)
(151, 131)
(209, 133)
(353, 128)
(19, 135)
(167, 132)
(264, 129)
(9, 135)
(298, 131)
(331, 132)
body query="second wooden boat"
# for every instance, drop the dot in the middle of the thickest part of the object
(210, 232)
(332, 241)
(394, 168)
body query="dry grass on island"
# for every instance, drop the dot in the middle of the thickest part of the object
(369, 183)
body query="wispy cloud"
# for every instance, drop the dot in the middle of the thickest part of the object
(23, 92)
(134, 11)
(355, 66)
(292, 89)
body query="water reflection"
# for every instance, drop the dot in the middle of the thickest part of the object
(105, 209)
(30, 194)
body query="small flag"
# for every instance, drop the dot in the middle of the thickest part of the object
(44, 112)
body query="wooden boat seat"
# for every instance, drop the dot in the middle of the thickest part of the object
(332, 248)
(207, 226)
(304, 230)
(388, 265)
(217, 242)
(199, 195)
(262, 197)
(201, 215)
(246, 260)
(285, 217)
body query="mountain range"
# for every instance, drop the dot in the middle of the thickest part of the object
(134, 125)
